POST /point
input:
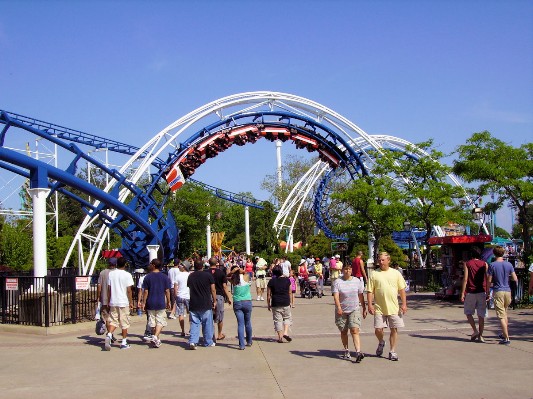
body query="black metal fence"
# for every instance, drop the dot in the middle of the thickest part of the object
(52, 300)
(433, 279)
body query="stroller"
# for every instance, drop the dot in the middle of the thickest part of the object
(310, 287)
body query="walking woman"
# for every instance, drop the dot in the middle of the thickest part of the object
(349, 299)
(279, 301)
(242, 305)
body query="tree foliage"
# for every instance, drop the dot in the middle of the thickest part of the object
(504, 170)
(376, 207)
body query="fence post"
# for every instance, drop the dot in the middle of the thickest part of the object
(46, 303)
(74, 299)
(4, 299)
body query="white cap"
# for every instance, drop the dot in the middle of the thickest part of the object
(338, 256)
(302, 261)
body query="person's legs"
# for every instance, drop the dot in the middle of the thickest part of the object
(194, 318)
(355, 338)
(278, 322)
(247, 312)
(344, 339)
(481, 325)
(207, 327)
(472, 322)
(393, 339)
(239, 314)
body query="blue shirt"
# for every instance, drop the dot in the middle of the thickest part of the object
(500, 272)
(156, 284)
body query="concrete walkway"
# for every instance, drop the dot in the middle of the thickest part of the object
(437, 360)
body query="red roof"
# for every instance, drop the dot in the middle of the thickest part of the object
(481, 238)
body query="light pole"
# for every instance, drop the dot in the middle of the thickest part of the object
(478, 215)
(407, 227)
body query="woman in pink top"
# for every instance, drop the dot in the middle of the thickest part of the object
(249, 268)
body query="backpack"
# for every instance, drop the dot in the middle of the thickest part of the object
(100, 328)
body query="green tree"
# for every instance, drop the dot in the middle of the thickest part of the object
(376, 207)
(16, 247)
(504, 170)
(423, 182)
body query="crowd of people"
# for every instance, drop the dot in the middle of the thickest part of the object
(199, 288)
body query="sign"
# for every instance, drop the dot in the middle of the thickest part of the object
(12, 284)
(175, 177)
(339, 246)
(82, 283)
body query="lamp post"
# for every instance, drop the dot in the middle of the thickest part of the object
(407, 227)
(478, 216)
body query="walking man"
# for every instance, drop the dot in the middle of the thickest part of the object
(102, 292)
(173, 275)
(182, 294)
(474, 293)
(156, 299)
(202, 303)
(222, 295)
(120, 284)
(499, 273)
(358, 268)
(384, 286)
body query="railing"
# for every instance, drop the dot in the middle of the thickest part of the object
(51, 300)
(428, 279)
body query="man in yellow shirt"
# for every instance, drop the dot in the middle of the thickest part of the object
(384, 286)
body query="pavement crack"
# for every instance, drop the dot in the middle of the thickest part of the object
(271, 371)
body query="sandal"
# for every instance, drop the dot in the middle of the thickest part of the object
(279, 341)
(289, 339)
(473, 337)
(221, 337)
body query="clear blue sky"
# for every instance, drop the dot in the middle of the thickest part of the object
(412, 69)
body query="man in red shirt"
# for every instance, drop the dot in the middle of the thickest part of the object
(358, 268)
(474, 293)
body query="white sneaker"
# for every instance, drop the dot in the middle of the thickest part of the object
(258, 298)
(262, 298)
(107, 345)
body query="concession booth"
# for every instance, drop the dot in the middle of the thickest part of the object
(454, 251)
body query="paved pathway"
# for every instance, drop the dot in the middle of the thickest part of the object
(437, 360)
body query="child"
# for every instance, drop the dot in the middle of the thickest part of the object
(293, 287)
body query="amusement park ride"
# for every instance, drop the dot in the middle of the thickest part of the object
(172, 156)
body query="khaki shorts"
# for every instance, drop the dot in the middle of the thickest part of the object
(502, 300)
(119, 317)
(391, 321)
(476, 303)
(157, 317)
(282, 316)
(348, 321)
(261, 282)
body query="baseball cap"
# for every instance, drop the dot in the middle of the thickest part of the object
(302, 261)
(338, 256)
(112, 261)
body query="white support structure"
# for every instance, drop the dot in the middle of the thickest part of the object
(152, 251)
(247, 228)
(278, 159)
(170, 138)
(38, 196)
(208, 235)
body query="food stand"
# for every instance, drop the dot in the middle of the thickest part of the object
(455, 249)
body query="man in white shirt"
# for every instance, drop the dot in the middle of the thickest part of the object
(172, 275)
(182, 294)
(286, 267)
(120, 284)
